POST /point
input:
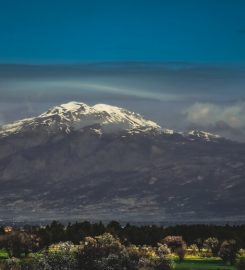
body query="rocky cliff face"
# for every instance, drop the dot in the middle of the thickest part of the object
(104, 162)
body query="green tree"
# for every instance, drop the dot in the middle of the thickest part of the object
(102, 252)
(212, 243)
(176, 245)
(64, 258)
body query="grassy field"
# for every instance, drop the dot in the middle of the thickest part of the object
(202, 264)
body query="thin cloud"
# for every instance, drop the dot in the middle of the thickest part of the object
(161, 81)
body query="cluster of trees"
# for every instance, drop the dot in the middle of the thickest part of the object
(97, 253)
(118, 247)
(19, 243)
(227, 250)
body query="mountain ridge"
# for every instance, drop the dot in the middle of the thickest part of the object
(73, 113)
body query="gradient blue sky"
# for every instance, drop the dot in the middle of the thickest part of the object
(61, 31)
(178, 62)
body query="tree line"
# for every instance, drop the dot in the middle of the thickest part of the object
(138, 235)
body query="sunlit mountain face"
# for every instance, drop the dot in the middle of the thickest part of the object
(80, 161)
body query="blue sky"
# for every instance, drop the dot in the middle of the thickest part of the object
(65, 31)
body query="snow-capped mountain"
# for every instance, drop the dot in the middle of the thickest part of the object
(77, 115)
(105, 162)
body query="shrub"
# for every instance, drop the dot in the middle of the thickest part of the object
(228, 251)
(56, 261)
(155, 258)
(180, 252)
(134, 255)
(193, 250)
(62, 257)
(10, 264)
(199, 243)
(242, 252)
(241, 263)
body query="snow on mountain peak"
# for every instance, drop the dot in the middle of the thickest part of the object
(81, 115)
(77, 115)
(68, 109)
(203, 135)
(127, 119)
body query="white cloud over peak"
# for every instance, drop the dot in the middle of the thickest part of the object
(209, 114)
